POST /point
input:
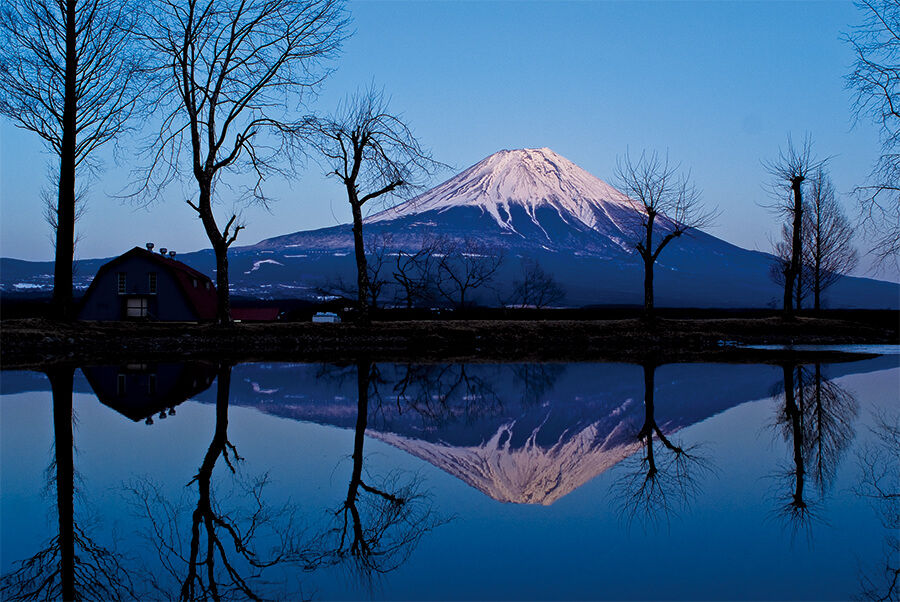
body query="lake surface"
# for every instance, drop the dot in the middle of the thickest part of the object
(450, 482)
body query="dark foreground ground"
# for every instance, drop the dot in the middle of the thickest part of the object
(31, 343)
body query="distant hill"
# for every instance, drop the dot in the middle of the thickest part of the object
(530, 203)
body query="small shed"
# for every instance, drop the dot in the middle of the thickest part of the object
(143, 285)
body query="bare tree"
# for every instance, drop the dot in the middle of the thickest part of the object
(374, 153)
(876, 81)
(414, 272)
(378, 526)
(71, 566)
(879, 485)
(378, 251)
(232, 74)
(829, 252)
(69, 72)
(464, 267)
(789, 172)
(782, 251)
(658, 483)
(660, 197)
(237, 540)
(534, 287)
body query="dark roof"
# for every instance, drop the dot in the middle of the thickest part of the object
(202, 299)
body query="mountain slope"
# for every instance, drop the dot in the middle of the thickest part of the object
(529, 203)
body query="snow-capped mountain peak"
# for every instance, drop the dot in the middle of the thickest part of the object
(528, 179)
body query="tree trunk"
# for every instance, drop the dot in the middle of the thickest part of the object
(220, 248)
(649, 310)
(223, 295)
(649, 418)
(62, 301)
(793, 271)
(794, 415)
(362, 269)
(61, 382)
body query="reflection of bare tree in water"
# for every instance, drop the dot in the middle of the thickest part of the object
(536, 380)
(71, 566)
(816, 419)
(223, 559)
(879, 483)
(431, 389)
(661, 481)
(378, 525)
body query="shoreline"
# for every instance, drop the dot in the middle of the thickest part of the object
(32, 343)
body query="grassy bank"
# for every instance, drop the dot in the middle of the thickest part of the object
(32, 342)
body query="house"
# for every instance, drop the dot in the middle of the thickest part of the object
(141, 284)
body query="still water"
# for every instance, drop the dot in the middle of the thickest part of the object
(450, 482)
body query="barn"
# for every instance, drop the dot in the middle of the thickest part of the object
(143, 285)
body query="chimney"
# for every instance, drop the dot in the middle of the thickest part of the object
(149, 246)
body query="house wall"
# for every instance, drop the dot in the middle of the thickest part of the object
(103, 301)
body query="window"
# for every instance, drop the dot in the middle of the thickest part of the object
(151, 282)
(136, 307)
(122, 283)
(151, 384)
(120, 384)
(195, 283)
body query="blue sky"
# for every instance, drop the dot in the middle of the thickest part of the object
(719, 85)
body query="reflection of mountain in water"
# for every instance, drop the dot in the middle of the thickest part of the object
(519, 433)
(527, 475)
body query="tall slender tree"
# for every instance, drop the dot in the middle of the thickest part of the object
(71, 73)
(829, 253)
(789, 172)
(666, 205)
(232, 75)
(373, 153)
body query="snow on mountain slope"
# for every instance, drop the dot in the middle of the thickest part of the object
(529, 179)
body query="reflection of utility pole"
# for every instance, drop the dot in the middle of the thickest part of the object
(61, 383)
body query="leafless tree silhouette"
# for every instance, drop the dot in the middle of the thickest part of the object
(875, 79)
(230, 548)
(415, 271)
(378, 525)
(71, 565)
(661, 197)
(653, 488)
(374, 153)
(792, 168)
(879, 483)
(816, 418)
(535, 287)
(71, 73)
(828, 253)
(232, 74)
(464, 266)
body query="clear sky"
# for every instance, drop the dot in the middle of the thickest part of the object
(719, 85)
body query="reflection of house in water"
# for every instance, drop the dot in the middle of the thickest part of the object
(147, 390)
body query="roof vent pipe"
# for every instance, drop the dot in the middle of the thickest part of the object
(149, 246)
(162, 250)
(172, 254)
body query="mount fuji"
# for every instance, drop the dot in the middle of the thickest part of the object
(531, 203)
(534, 203)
